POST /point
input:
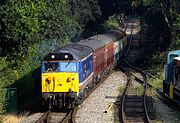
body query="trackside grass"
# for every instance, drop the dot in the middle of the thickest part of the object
(13, 118)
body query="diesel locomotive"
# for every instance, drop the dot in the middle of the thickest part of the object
(70, 72)
(171, 83)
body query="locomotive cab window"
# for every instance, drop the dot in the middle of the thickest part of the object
(51, 66)
(68, 67)
(172, 56)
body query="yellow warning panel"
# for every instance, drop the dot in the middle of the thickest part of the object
(60, 82)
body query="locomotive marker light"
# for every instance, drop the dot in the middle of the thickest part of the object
(59, 79)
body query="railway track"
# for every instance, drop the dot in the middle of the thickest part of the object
(133, 106)
(57, 117)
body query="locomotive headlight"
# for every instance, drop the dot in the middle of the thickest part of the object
(66, 56)
(59, 79)
(70, 90)
(53, 56)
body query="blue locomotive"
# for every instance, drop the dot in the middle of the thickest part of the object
(171, 84)
(70, 72)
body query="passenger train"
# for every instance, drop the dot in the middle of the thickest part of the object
(70, 72)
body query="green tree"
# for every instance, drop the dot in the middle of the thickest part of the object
(20, 24)
(60, 25)
(161, 25)
(84, 11)
(28, 30)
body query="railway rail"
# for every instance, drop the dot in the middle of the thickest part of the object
(45, 118)
(130, 37)
(133, 107)
(56, 117)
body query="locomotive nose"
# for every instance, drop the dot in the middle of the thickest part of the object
(60, 82)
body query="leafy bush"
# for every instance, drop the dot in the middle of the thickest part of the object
(111, 23)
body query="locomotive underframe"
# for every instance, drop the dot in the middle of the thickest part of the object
(175, 91)
(54, 100)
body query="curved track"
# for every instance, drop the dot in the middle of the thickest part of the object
(134, 108)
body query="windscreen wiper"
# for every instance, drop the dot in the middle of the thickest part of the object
(68, 63)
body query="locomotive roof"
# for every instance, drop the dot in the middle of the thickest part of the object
(116, 34)
(96, 41)
(70, 52)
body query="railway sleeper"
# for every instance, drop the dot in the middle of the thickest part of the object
(136, 104)
(134, 100)
(134, 109)
(135, 120)
(134, 114)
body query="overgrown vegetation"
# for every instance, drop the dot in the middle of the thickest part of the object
(160, 23)
(111, 23)
(136, 90)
